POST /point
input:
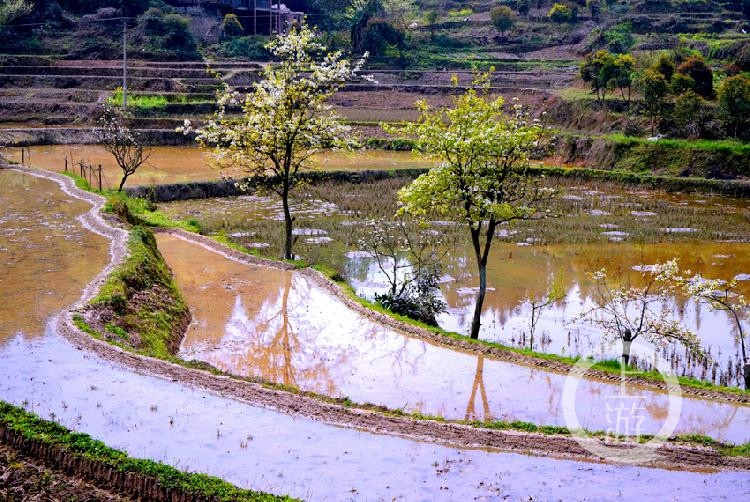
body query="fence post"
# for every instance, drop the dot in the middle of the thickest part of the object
(66, 164)
(23, 157)
(82, 171)
(100, 177)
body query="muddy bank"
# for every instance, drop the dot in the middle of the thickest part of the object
(85, 135)
(636, 155)
(25, 478)
(230, 188)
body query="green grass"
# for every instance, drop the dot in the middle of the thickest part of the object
(84, 446)
(144, 270)
(154, 101)
(735, 147)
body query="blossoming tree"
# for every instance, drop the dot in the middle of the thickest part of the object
(482, 178)
(285, 119)
(723, 296)
(626, 313)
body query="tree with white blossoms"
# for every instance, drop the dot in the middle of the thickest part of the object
(482, 177)
(722, 296)
(285, 119)
(11, 10)
(627, 313)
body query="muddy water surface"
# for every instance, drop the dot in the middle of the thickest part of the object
(601, 226)
(517, 274)
(281, 326)
(265, 450)
(181, 164)
(46, 255)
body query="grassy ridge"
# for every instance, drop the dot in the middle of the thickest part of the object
(84, 446)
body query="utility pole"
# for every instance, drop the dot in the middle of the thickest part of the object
(124, 64)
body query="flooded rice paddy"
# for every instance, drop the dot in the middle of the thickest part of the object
(251, 447)
(709, 235)
(46, 255)
(283, 327)
(173, 164)
(265, 450)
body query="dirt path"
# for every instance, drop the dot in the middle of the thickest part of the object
(457, 435)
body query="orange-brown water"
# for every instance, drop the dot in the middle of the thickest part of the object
(46, 255)
(281, 326)
(180, 164)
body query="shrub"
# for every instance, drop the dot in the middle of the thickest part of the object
(619, 38)
(523, 7)
(252, 47)
(691, 115)
(231, 26)
(665, 66)
(681, 84)
(561, 13)
(697, 69)
(734, 100)
(378, 35)
(502, 18)
(419, 301)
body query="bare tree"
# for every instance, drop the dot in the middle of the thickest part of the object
(539, 303)
(116, 136)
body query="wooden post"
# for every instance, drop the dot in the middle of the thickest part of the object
(23, 156)
(100, 177)
(82, 171)
(66, 164)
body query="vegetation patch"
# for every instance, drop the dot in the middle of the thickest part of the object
(82, 446)
(139, 306)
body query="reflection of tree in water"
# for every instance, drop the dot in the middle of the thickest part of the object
(478, 385)
(279, 346)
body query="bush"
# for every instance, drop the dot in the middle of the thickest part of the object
(692, 116)
(734, 100)
(378, 35)
(561, 13)
(502, 18)
(681, 84)
(697, 69)
(252, 47)
(523, 7)
(619, 38)
(665, 66)
(231, 26)
(419, 301)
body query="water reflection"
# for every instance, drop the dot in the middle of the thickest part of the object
(46, 255)
(515, 274)
(281, 326)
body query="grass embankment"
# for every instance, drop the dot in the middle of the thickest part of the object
(139, 307)
(155, 102)
(679, 158)
(83, 446)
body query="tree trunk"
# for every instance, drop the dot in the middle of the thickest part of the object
(480, 300)
(626, 343)
(288, 222)
(122, 183)
(746, 372)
